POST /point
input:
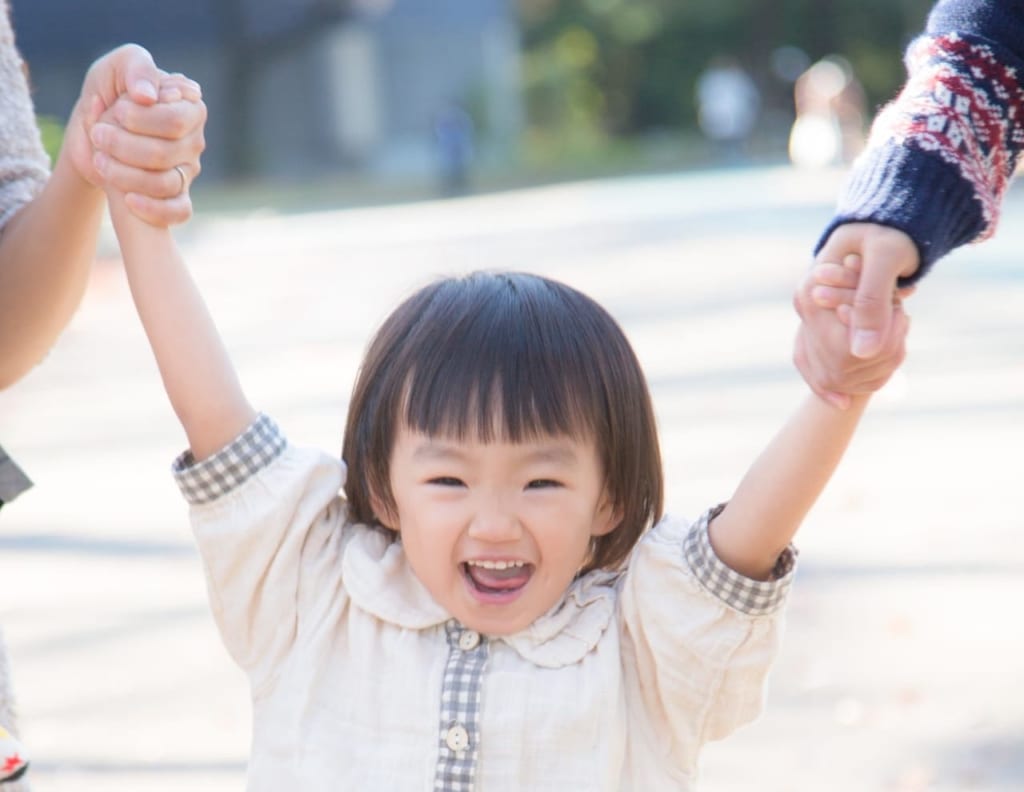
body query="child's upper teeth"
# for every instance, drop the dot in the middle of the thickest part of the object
(497, 564)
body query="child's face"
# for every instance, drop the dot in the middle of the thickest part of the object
(497, 531)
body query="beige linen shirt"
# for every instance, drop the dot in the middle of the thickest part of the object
(350, 660)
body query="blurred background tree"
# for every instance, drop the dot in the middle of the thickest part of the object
(600, 71)
(347, 91)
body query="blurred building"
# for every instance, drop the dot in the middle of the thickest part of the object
(299, 87)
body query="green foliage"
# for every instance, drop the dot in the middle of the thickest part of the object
(597, 70)
(52, 131)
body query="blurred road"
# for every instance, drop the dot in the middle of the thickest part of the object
(903, 666)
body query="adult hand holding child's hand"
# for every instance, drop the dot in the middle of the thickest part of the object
(855, 279)
(138, 130)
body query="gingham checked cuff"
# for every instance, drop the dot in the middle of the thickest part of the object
(232, 466)
(753, 597)
(13, 481)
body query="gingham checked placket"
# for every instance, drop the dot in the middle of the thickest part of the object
(459, 736)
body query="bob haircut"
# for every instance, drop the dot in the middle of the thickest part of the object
(507, 356)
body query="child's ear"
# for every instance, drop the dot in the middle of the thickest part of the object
(607, 518)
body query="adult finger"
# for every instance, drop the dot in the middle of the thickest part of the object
(148, 152)
(156, 184)
(171, 120)
(139, 74)
(888, 254)
(881, 368)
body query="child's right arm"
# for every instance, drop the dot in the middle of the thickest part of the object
(197, 374)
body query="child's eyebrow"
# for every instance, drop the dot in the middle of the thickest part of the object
(559, 454)
(555, 453)
(430, 450)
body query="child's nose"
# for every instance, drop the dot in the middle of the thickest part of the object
(493, 523)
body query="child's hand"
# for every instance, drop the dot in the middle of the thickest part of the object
(148, 155)
(823, 341)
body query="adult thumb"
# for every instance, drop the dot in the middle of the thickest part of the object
(139, 74)
(872, 308)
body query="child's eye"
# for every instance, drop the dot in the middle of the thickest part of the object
(446, 481)
(543, 484)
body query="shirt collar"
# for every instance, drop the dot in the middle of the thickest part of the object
(380, 581)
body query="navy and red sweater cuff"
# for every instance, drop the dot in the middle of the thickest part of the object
(916, 192)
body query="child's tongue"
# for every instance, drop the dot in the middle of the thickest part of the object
(503, 579)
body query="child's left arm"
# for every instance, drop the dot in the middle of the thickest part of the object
(197, 373)
(786, 479)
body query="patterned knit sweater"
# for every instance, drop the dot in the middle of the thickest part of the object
(941, 155)
(24, 166)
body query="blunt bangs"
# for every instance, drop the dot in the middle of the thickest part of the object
(506, 357)
(502, 358)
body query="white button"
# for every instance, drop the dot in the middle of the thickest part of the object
(457, 738)
(469, 640)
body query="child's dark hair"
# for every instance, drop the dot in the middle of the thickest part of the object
(507, 356)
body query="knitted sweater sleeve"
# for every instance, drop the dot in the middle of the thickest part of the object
(941, 155)
(24, 166)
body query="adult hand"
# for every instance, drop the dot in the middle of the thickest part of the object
(886, 254)
(825, 301)
(158, 126)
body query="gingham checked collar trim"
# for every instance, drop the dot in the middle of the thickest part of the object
(232, 466)
(13, 480)
(753, 597)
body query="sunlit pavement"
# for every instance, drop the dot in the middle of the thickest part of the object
(903, 664)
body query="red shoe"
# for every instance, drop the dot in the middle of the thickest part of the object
(13, 760)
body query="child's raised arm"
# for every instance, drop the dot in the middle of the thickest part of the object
(194, 365)
(786, 479)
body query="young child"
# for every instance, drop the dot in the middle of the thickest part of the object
(484, 594)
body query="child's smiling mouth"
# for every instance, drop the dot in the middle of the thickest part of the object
(496, 581)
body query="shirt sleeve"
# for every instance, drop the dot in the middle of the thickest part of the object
(940, 156)
(269, 523)
(698, 637)
(24, 166)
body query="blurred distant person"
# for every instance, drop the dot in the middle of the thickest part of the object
(49, 222)
(830, 111)
(933, 176)
(728, 103)
(454, 140)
